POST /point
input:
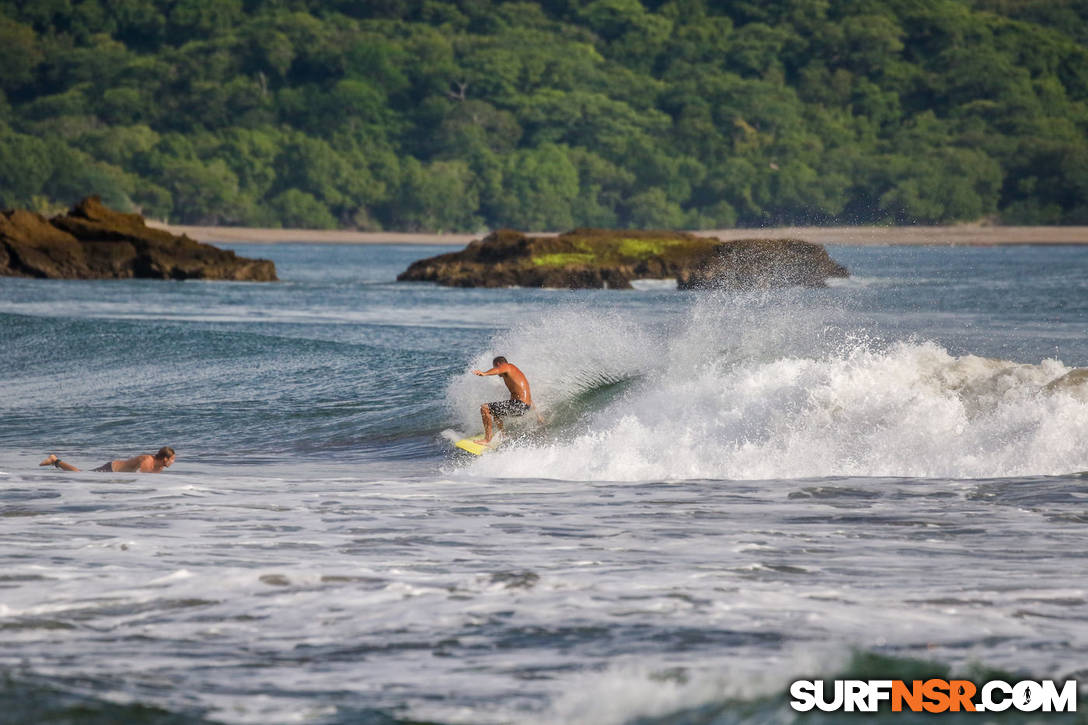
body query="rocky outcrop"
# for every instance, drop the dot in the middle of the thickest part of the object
(94, 242)
(763, 263)
(598, 258)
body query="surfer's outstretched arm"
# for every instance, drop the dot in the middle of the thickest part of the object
(54, 461)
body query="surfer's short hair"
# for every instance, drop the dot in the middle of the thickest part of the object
(500, 360)
(164, 453)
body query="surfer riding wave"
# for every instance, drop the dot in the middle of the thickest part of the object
(520, 402)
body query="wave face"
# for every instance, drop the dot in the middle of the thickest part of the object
(748, 389)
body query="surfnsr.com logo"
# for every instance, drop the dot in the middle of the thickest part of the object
(933, 696)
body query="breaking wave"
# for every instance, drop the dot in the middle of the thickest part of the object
(754, 388)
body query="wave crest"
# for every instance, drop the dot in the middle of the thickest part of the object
(757, 391)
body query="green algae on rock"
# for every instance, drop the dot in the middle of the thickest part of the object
(599, 258)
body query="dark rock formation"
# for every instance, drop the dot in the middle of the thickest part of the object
(613, 258)
(763, 263)
(95, 242)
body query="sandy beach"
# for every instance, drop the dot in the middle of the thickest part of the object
(961, 234)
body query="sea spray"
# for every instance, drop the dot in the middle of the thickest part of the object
(565, 353)
(747, 387)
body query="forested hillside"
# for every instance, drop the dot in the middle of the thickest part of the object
(459, 116)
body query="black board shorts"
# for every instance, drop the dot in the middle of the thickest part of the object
(105, 467)
(507, 408)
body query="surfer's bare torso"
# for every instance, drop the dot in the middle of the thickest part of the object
(515, 380)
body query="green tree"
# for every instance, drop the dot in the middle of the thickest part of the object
(632, 35)
(25, 166)
(118, 145)
(203, 193)
(268, 51)
(756, 49)
(202, 18)
(20, 54)
(603, 186)
(300, 210)
(313, 166)
(438, 197)
(251, 155)
(75, 175)
(870, 43)
(651, 209)
(539, 188)
(940, 186)
(140, 23)
(469, 125)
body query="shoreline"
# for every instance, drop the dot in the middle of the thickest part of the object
(953, 235)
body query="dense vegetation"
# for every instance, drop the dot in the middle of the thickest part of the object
(427, 115)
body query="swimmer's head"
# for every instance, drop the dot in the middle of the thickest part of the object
(166, 455)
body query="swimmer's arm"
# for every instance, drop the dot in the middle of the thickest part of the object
(54, 461)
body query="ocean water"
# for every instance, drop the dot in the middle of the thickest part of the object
(731, 491)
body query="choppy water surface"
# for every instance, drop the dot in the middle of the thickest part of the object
(731, 491)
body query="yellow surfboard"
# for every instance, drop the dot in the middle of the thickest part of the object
(477, 449)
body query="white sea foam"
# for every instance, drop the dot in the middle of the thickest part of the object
(746, 390)
(629, 690)
(647, 285)
(856, 282)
